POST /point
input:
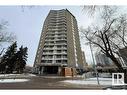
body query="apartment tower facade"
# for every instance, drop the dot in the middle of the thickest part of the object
(102, 59)
(59, 46)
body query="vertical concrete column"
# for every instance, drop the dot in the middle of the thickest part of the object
(37, 70)
(59, 70)
(42, 70)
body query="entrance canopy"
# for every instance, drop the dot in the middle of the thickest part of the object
(51, 64)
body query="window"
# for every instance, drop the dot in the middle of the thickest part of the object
(58, 56)
(58, 61)
(58, 51)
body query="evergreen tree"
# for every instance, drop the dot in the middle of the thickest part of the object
(8, 59)
(14, 60)
(21, 58)
(3, 64)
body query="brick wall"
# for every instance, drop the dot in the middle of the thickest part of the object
(68, 71)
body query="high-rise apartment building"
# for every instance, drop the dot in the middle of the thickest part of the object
(102, 59)
(84, 59)
(123, 54)
(59, 46)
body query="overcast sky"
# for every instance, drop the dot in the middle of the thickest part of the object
(27, 24)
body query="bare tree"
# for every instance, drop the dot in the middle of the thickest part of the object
(110, 35)
(92, 9)
(5, 37)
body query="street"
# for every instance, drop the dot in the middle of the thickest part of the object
(42, 82)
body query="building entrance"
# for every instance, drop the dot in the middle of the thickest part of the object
(50, 70)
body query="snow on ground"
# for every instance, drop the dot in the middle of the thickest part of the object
(32, 75)
(91, 81)
(101, 79)
(16, 75)
(13, 80)
(3, 75)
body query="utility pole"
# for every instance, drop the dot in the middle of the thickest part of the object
(95, 69)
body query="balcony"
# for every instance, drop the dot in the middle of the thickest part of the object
(51, 53)
(46, 61)
(49, 39)
(59, 52)
(55, 48)
(61, 39)
(57, 23)
(46, 53)
(60, 58)
(54, 58)
(47, 58)
(62, 18)
(52, 33)
(49, 44)
(61, 61)
(48, 48)
(57, 29)
(61, 44)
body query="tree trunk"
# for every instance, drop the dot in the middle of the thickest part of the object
(125, 76)
(121, 70)
(116, 62)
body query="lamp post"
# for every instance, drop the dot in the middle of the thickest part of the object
(94, 64)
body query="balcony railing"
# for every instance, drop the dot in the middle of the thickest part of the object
(59, 52)
(54, 52)
(62, 48)
(57, 29)
(55, 33)
(54, 58)
(62, 58)
(57, 23)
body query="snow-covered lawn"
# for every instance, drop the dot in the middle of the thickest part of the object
(16, 75)
(3, 75)
(91, 81)
(13, 80)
